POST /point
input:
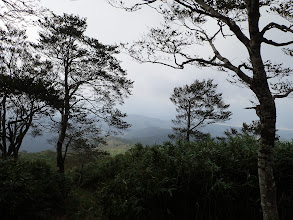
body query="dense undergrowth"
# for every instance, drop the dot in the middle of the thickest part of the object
(210, 180)
(30, 190)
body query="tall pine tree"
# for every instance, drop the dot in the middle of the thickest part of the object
(88, 75)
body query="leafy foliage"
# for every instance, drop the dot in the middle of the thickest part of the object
(30, 190)
(201, 181)
(204, 180)
(14, 12)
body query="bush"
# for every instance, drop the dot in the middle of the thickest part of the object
(30, 190)
(284, 178)
(207, 180)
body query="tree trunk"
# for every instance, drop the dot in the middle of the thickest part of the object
(267, 114)
(3, 125)
(61, 138)
(60, 161)
(188, 122)
(266, 111)
(64, 123)
(265, 159)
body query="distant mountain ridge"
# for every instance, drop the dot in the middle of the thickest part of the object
(149, 130)
(145, 130)
(141, 122)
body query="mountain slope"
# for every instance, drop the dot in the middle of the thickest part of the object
(145, 130)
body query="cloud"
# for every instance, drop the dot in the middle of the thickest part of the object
(154, 83)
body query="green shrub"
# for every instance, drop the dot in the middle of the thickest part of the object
(30, 190)
(284, 177)
(207, 180)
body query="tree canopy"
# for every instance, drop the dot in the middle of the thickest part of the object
(88, 75)
(26, 94)
(197, 105)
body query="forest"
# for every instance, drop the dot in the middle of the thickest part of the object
(72, 85)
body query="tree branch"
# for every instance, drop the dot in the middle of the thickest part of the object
(272, 25)
(284, 95)
(199, 123)
(215, 14)
(134, 7)
(227, 63)
(245, 66)
(270, 42)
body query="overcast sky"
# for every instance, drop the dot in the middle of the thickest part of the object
(154, 84)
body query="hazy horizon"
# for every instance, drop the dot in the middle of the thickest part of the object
(154, 84)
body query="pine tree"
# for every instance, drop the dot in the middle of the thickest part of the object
(88, 75)
(197, 105)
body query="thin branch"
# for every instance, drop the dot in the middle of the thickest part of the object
(270, 42)
(215, 14)
(227, 63)
(284, 95)
(134, 7)
(199, 123)
(272, 25)
(245, 66)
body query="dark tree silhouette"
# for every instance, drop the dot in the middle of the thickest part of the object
(25, 92)
(90, 78)
(197, 105)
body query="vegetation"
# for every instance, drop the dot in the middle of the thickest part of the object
(197, 105)
(26, 94)
(230, 178)
(14, 12)
(203, 180)
(90, 80)
(30, 190)
(191, 25)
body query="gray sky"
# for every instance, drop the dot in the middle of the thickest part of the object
(154, 83)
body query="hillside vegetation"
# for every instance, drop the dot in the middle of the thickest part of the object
(201, 181)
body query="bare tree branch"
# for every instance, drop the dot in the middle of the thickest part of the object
(270, 42)
(227, 63)
(13, 12)
(132, 8)
(272, 25)
(215, 14)
(284, 95)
